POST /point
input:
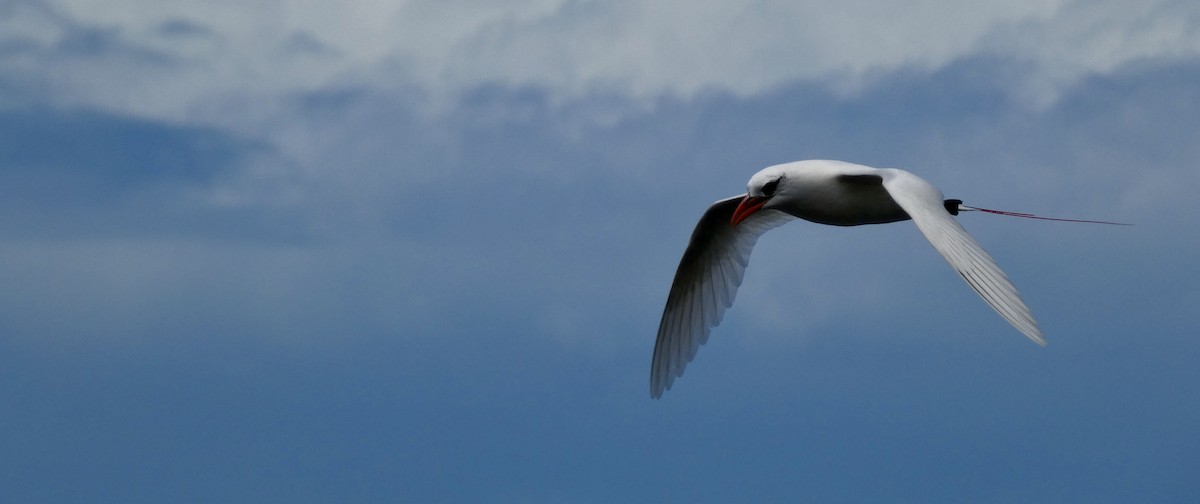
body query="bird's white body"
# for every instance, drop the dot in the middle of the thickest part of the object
(826, 192)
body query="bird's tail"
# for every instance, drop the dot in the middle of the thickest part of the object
(954, 206)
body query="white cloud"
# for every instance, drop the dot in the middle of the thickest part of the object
(172, 59)
(683, 47)
(1087, 38)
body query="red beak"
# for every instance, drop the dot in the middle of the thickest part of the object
(749, 205)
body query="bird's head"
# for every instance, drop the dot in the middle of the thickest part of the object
(763, 186)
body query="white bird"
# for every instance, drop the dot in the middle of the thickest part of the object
(825, 192)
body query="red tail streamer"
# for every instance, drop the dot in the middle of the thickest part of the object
(1032, 216)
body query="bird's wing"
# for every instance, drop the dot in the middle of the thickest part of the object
(923, 202)
(705, 284)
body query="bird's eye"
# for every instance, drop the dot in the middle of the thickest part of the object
(770, 187)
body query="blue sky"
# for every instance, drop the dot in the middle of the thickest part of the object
(417, 252)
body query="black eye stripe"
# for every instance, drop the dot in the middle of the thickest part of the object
(770, 187)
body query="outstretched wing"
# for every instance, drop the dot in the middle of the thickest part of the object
(705, 284)
(924, 203)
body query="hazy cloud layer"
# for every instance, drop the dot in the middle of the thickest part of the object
(172, 59)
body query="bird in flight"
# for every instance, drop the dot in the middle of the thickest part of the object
(826, 192)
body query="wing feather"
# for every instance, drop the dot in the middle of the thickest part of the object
(924, 203)
(705, 285)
